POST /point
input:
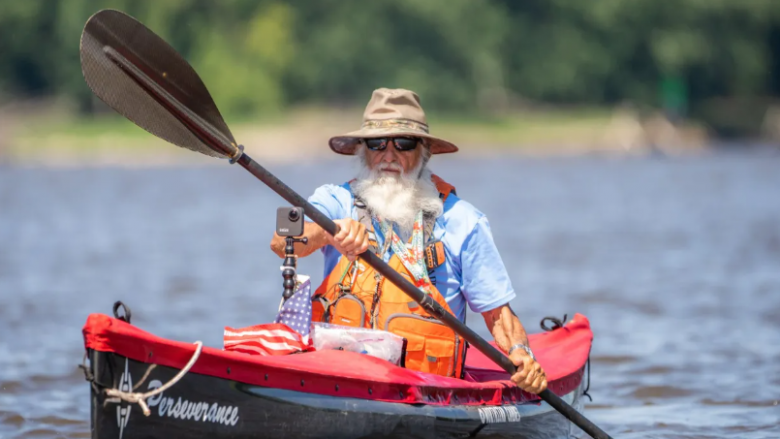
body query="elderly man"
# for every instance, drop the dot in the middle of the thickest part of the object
(413, 220)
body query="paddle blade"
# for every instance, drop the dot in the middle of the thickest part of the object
(143, 78)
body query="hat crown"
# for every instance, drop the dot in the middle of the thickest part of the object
(395, 103)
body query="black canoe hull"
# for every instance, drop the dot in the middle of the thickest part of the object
(201, 406)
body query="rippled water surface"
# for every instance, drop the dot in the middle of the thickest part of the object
(675, 261)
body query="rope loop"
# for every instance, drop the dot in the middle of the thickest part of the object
(139, 398)
(127, 313)
(556, 323)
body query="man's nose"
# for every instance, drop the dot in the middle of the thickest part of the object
(388, 155)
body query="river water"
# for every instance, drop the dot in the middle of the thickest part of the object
(676, 262)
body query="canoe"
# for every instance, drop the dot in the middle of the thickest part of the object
(322, 394)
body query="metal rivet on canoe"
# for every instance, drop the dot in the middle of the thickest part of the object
(301, 383)
(150, 355)
(228, 371)
(370, 391)
(266, 377)
(337, 387)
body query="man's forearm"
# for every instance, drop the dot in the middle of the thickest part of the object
(317, 239)
(508, 331)
(505, 327)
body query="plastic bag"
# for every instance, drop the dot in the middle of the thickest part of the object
(374, 342)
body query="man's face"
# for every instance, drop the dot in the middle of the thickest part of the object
(391, 161)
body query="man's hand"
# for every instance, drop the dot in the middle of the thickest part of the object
(351, 240)
(529, 376)
(508, 331)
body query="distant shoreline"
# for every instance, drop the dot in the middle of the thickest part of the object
(303, 135)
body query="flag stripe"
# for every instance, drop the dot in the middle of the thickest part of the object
(267, 344)
(278, 330)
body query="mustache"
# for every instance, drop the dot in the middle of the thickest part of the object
(393, 166)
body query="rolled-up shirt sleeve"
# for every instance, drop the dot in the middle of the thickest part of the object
(485, 281)
(329, 199)
(332, 201)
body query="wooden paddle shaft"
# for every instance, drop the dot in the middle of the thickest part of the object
(430, 305)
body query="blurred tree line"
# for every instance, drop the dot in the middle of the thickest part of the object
(460, 55)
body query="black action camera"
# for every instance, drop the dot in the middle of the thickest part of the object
(289, 221)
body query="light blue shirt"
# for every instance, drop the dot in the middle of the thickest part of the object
(473, 272)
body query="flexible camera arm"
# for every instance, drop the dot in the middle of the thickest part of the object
(289, 265)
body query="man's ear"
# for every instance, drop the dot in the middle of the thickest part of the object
(360, 151)
(426, 153)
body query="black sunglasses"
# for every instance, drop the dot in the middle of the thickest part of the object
(401, 143)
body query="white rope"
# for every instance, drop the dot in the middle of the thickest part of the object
(140, 398)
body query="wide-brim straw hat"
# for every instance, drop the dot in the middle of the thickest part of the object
(390, 113)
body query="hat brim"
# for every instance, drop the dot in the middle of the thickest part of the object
(347, 144)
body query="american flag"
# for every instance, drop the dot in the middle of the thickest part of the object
(288, 334)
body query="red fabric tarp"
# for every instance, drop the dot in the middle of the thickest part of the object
(563, 354)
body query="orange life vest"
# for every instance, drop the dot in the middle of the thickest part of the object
(354, 294)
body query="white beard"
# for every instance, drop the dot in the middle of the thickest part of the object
(398, 198)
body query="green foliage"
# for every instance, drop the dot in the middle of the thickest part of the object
(461, 56)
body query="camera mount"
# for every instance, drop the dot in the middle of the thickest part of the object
(289, 223)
